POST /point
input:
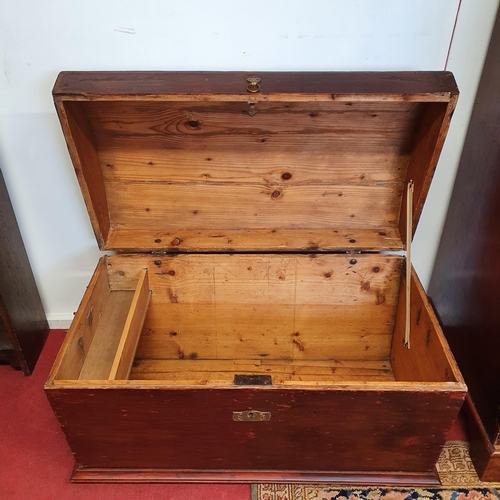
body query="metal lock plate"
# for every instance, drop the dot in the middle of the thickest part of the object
(251, 416)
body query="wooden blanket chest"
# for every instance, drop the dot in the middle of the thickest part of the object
(258, 320)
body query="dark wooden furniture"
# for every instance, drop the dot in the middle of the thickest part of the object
(252, 329)
(23, 326)
(465, 285)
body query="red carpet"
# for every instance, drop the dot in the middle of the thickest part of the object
(36, 463)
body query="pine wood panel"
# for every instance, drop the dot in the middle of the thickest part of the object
(81, 144)
(218, 142)
(129, 339)
(174, 121)
(430, 358)
(190, 331)
(193, 144)
(102, 350)
(369, 280)
(428, 145)
(280, 160)
(181, 206)
(255, 306)
(80, 335)
(201, 372)
(140, 240)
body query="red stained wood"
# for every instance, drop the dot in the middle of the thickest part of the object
(411, 479)
(102, 83)
(484, 454)
(23, 326)
(321, 430)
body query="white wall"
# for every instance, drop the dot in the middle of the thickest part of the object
(39, 39)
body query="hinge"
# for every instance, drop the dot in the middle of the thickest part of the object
(409, 234)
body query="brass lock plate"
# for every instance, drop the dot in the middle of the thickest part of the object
(251, 416)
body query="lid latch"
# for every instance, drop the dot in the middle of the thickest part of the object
(253, 84)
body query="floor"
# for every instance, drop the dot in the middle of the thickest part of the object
(36, 463)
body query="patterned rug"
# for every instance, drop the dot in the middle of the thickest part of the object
(455, 469)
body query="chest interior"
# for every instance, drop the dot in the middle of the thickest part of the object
(255, 237)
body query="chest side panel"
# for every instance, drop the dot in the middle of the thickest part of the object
(194, 429)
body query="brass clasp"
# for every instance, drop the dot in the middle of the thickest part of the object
(253, 84)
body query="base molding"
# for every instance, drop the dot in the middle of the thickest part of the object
(108, 475)
(484, 454)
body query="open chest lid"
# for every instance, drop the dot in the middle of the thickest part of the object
(212, 162)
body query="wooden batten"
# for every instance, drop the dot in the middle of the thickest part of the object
(222, 372)
(258, 240)
(101, 353)
(127, 346)
(102, 339)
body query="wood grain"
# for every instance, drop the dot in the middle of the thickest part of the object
(255, 306)
(319, 167)
(198, 331)
(429, 358)
(281, 240)
(102, 351)
(191, 207)
(125, 352)
(196, 156)
(484, 454)
(401, 85)
(83, 474)
(201, 372)
(81, 144)
(103, 425)
(302, 161)
(78, 340)
(322, 160)
(303, 197)
(25, 326)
